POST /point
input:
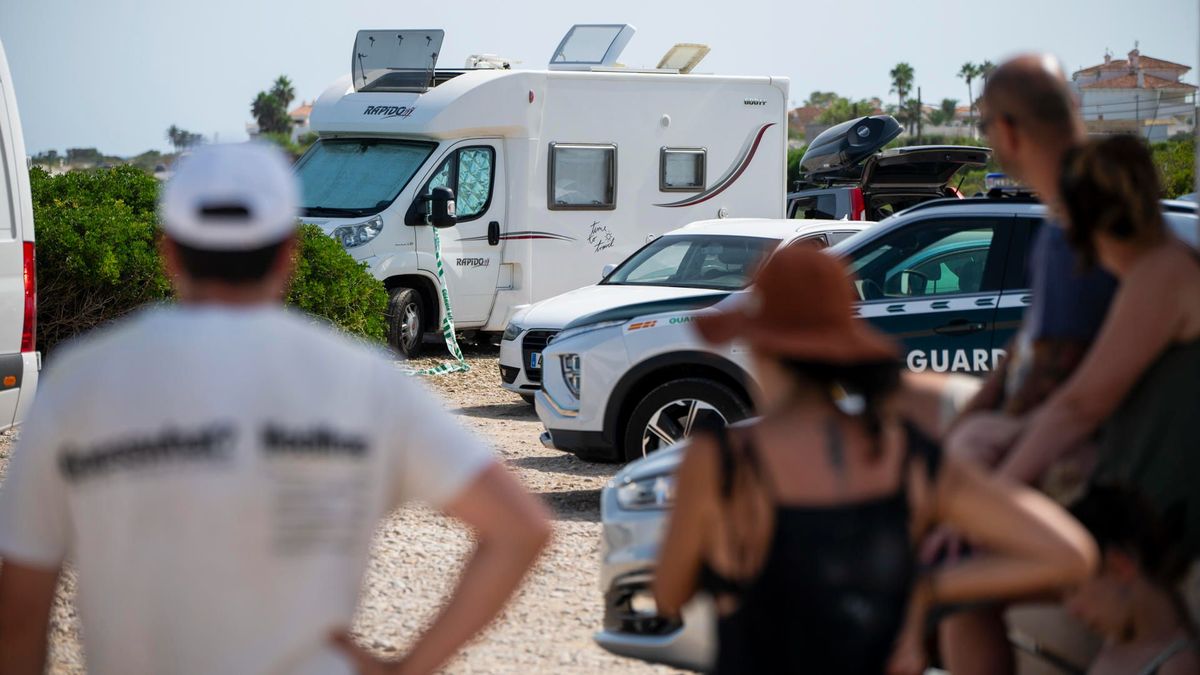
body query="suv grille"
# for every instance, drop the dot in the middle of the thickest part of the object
(535, 341)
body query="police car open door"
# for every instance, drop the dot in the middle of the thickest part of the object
(936, 287)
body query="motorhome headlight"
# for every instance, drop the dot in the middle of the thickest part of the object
(512, 331)
(572, 369)
(652, 492)
(360, 233)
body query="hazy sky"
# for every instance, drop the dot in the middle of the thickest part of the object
(115, 74)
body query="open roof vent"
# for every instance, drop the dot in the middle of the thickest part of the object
(683, 57)
(395, 60)
(591, 45)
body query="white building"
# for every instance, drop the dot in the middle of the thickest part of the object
(1141, 94)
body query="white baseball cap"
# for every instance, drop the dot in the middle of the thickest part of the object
(231, 197)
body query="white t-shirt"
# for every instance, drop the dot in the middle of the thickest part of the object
(216, 475)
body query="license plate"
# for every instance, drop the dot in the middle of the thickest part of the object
(535, 360)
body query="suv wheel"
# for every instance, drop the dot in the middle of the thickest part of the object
(405, 321)
(673, 411)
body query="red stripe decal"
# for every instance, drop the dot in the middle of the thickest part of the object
(724, 185)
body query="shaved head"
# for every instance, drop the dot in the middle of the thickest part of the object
(1031, 91)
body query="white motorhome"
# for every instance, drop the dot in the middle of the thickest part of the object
(19, 359)
(551, 173)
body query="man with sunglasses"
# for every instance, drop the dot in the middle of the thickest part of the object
(1030, 119)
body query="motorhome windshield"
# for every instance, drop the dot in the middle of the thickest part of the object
(700, 261)
(357, 177)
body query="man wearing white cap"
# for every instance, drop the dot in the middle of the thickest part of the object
(215, 469)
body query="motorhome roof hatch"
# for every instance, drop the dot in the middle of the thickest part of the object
(591, 45)
(683, 57)
(395, 60)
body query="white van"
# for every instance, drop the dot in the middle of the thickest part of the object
(551, 173)
(19, 359)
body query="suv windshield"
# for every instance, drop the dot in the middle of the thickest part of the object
(357, 177)
(717, 262)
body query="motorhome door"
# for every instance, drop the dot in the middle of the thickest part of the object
(471, 250)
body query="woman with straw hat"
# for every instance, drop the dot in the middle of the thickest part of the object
(801, 524)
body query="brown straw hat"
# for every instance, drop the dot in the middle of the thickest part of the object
(801, 307)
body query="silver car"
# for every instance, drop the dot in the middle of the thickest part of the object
(633, 508)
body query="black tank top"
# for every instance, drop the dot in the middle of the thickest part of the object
(833, 590)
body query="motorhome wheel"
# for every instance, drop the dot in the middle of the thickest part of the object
(405, 321)
(673, 411)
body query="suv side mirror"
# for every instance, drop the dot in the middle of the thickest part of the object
(913, 282)
(607, 270)
(441, 207)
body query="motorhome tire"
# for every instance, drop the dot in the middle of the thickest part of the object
(675, 409)
(405, 321)
(528, 398)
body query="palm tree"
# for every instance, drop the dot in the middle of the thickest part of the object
(969, 72)
(173, 136)
(902, 79)
(283, 91)
(945, 112)
(985, 70)
(266, 111)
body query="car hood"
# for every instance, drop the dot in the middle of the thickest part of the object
(654, 464)
(557, 312)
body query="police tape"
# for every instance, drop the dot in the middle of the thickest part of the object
(460, 365)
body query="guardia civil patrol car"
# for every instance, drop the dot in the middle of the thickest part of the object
(947, 278)
(686, 268)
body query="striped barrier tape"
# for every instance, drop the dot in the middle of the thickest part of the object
(460, 365)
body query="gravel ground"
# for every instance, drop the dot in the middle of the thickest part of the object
(548, 627)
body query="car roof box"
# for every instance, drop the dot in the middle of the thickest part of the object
(837, 151)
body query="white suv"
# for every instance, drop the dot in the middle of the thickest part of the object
(688, 268)
(19, 359)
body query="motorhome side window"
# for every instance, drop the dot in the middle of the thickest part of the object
(583, 176)
(469, 172)
(681, 169)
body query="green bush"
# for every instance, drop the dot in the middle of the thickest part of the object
(330, 284)
(97, 234)
(97, 256)
(1176, 161)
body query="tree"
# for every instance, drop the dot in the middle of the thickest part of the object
(269, 108)
(909, 114)
(821, 99)
(182, 139)
(283, 91)
(902, 80)
(969, 72)
(841, 109)
(944, 115)
(985, 70)
(83, 156)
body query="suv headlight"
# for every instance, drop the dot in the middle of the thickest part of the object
(652, 492)
(572, 368)
(359, 233)
(580, 330)
(512, 331)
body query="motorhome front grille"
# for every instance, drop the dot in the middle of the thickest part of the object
(535, 341)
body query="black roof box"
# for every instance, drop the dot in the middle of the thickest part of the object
(837, 151)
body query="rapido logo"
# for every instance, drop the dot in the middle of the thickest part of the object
(389, 111)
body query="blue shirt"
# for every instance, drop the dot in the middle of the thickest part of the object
(1068, 304)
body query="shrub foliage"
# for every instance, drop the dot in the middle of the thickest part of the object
(97, 236)
(97, 255)
(330, 284)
